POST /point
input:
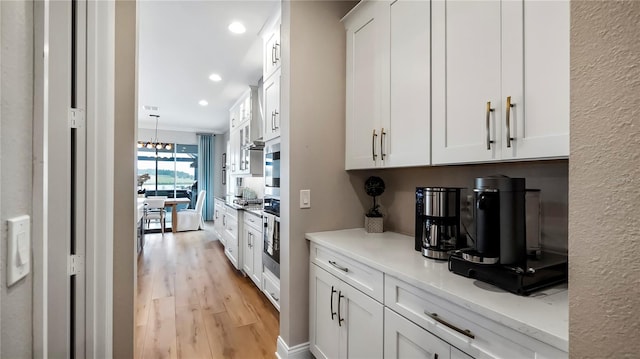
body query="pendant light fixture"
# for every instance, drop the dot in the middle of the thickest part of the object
(154, 143)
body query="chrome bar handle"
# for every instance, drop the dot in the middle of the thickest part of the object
(489, 110)
(373, 145)
(275, 118)
(382, 134)
(509, 106)
(344, 269)
(340, 319)
(273, 54)
(436, 317)
(332, 312)
(273, 121)
(249, 240)
(276, 52)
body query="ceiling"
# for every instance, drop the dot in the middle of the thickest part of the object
(181, 43)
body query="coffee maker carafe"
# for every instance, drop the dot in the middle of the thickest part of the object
(437, 221)
(500, 221)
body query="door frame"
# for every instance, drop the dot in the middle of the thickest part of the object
(50, 291)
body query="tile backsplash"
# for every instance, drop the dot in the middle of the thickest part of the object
(397, 202)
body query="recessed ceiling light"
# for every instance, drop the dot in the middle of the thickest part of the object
(203, 102)
(215, 77)
(237, 28)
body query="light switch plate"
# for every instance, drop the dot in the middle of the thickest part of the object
(305, 198)
(18, 248)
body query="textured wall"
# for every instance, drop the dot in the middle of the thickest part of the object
(604, 196)
(124, 226)
(15, 161)
(313, 147)
(397, 202)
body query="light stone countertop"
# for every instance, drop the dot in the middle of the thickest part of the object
(544, 315)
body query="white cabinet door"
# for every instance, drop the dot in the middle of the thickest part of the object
(406, 134)
(323, 311)
(344, 322)
(403, 339)
(256, 245)
(466, 78)
(361, 332)
(247, 252)
(234, 151)
(272, 51)
(272, 107)
(363, 85)
(535, 57)
(252, 254)
(218, 225)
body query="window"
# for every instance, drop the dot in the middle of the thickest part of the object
(172, 173)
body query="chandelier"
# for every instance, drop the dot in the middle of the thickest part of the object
(154, 143)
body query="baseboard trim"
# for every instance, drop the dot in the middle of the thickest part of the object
(300, 351)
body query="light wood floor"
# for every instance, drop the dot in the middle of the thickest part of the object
(192, 303)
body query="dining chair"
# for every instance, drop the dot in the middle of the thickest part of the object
(191, 219)
(154, 210)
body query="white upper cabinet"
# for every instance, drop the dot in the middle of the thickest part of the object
(500, 80)
(272, 107)
(272, 47)
(272, 58)
(406, 135)
(363, 86)
(387, 118)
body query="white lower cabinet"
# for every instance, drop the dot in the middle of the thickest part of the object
(271, 287)
(252, 248)
(403, 339)
(231, 247)
(412, 322)
(218, 220)
(345, 323)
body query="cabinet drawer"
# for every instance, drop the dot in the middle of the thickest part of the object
(473, 334)
(253, 221)
(271, 288)
(231, 213)
(366, 279)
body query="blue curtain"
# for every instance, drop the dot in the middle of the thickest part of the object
(206, 155)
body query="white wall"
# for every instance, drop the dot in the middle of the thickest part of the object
(181, 137)
(313, 140)
(124, 224)
(16, 114)
(604, 173)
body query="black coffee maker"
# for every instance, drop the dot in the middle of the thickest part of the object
(500, 221)
(499, 254)
(437, 221)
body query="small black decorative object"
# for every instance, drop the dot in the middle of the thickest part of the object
(374, 186)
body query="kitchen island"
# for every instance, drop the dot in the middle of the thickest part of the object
(539, 320)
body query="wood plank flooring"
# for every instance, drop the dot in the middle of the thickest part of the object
(191, 302)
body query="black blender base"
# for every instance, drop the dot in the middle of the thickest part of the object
(550, 270)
